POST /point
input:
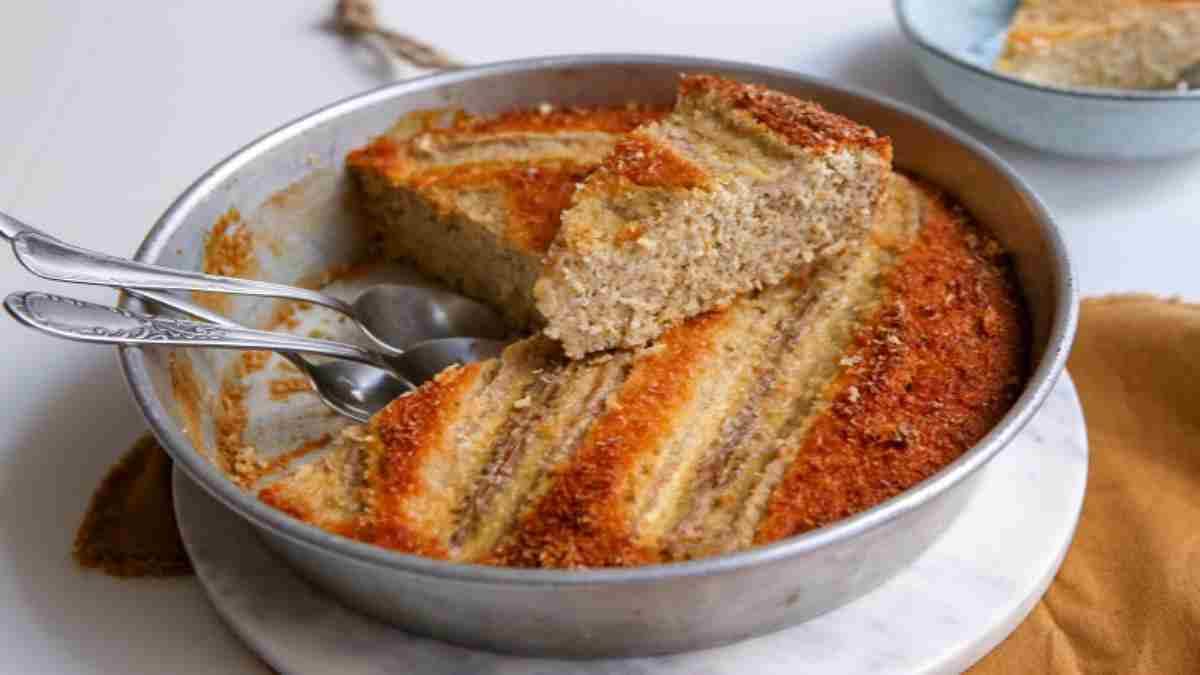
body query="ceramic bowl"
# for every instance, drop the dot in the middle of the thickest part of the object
(956, 43)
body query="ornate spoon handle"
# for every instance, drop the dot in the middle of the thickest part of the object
(87, 322)
(188, 307)
(50, 258)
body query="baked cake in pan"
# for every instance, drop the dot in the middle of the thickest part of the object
(735, 189)
(1122, 44)
(790, 408)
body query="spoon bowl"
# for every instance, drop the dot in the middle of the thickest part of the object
(396, 317)
(424, 361)
(355, 390)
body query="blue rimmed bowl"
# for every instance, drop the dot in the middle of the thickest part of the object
(956, 43)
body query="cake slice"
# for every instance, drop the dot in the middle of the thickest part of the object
(787, 410)
(1122, 44)
(475, 201)
(737, 188)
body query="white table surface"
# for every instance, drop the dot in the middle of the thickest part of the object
(111, 109)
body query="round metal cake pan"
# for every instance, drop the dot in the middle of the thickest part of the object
(637, 611)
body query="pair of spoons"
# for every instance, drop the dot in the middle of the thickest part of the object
(417, 332)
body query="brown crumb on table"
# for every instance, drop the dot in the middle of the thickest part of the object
(129, 529)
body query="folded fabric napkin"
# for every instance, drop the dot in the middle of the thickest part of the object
(1127, 599)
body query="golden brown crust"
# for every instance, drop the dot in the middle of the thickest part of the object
(535, 192)
(924, 375)
(938, 365)
(384, 152)
(802, 123)
(717, 202)
(407, 431)
(645, 163)
(584, 521)
(275, 496)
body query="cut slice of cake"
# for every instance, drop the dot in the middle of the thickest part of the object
(787, 410)
(475, 201)
(737, 188)
(1122, 44)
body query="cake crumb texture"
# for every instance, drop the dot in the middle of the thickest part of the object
(737, 188)
(1121, 44)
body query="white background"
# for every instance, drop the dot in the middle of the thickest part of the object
(110, 109)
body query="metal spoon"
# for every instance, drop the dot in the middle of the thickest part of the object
(427, 314)
(355, 390)
(88, 322)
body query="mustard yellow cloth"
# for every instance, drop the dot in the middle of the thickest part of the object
(1127, 599)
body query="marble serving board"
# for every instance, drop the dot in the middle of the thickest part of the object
(953, 605)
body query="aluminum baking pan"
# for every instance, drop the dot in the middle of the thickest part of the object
(638, 611)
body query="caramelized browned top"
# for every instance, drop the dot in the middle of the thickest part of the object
(378, 154)
(408, 429)
(584, 520)
(384, 152)
(615, 120)
(938, 365)
(646, 163)
(802, 123)
(535, 192)
(927, 373)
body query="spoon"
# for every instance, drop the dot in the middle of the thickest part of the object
(352, 389)
(427, 313)
(88, 322)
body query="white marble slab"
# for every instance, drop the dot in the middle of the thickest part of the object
(955, 603)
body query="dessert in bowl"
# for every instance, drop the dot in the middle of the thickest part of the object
(1096, 80)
